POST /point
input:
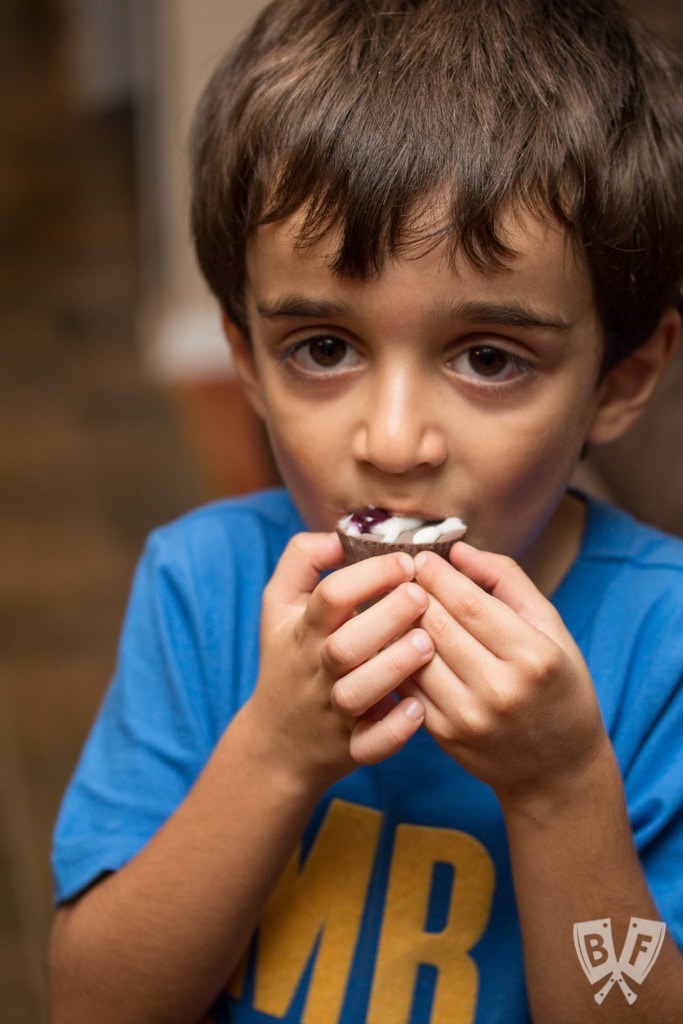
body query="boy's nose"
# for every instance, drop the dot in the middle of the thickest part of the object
(400, 427)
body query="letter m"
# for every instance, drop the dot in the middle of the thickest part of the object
(318, 905)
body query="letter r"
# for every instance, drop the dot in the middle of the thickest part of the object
(406, 943)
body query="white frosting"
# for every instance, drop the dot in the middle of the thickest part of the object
(430, 534)
(349, 528)
(391, 529)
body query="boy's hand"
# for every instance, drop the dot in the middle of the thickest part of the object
(507, 693)
(325, 700)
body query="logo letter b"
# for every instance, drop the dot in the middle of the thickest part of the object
(596, 951)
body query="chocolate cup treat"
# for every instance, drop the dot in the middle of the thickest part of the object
(374, 531)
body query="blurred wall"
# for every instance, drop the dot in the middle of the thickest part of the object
(158, 54)
(184, 39)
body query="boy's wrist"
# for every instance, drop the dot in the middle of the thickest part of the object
(280, 760)
(572, 796)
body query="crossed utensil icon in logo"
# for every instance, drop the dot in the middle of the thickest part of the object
(595, 949)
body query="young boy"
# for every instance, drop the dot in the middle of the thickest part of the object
(447, 239)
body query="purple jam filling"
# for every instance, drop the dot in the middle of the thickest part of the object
(366, 518)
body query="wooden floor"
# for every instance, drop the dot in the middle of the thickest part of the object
(92, 453)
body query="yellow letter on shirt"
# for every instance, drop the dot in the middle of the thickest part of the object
(324, 900)
(404, 943)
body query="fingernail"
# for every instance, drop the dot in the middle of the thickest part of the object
(414, 710)
(421, 643)
(407, 563)
(420, 559)
(417, 593)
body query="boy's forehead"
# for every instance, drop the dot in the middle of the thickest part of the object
(547, 272)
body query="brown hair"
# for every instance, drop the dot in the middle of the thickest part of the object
(369, 114)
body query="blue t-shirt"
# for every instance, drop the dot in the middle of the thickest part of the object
(398, 906)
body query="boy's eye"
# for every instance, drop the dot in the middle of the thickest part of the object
(490, 363)
(316, 355)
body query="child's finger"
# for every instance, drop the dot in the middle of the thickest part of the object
(306, 557)
(505, 580)
(387, 729)
(362, 688)
(361, 636)
(461, 654)
(458, 604)
(338, 595)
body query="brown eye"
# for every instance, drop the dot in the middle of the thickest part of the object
(324, 356)
(487, 361)
(491, 365)
(327, 352)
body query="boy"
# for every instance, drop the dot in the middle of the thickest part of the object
(447, 241)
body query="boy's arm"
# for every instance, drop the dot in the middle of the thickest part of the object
(574, 861)
(157, 940)
(508, 695)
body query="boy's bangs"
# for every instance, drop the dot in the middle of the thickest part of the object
(404, 123)
(398, 161)
(412, 214)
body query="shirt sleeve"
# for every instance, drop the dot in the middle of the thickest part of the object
(177, 683)
(654, 792)
(647, 733)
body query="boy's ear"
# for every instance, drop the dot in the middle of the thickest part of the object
(629, 385)
(245, 364)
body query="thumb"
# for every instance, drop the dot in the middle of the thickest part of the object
(306, 557)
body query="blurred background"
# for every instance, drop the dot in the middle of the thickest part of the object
(117, 406)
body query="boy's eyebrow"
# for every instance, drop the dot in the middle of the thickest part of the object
(503, 314)
(300, 306)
